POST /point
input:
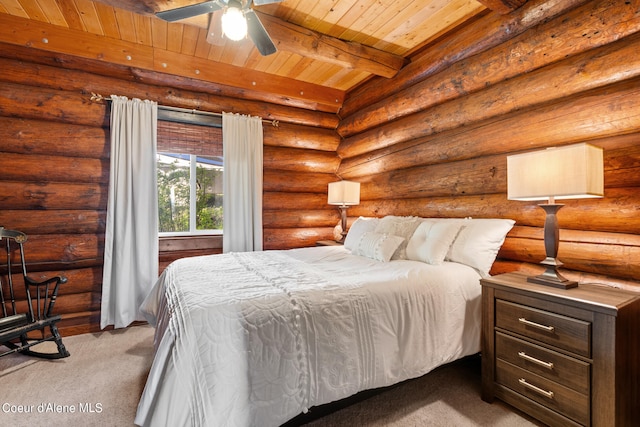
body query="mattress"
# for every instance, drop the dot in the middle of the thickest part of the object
(246, 339)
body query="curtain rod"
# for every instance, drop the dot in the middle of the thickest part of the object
(96, 97)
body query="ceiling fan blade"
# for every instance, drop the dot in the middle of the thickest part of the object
(261, 2)
(258, 34)
(214, 32)
(189, 11)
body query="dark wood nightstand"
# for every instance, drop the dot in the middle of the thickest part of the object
(566, 357)
(328, 243)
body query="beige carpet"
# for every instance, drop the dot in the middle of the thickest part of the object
(104, 377)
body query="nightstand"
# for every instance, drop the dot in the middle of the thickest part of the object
(566, 357)
(328, 243)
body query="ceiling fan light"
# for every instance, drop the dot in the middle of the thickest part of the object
(234, 24)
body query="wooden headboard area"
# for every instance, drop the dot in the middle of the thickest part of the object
(438, 147)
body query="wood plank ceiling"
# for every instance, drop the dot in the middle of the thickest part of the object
(325, 47)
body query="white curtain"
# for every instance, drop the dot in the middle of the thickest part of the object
(131, 236)
(242, 202)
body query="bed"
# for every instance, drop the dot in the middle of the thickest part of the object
(256, 338)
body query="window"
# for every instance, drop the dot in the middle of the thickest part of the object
(190, 173)
(189, 193)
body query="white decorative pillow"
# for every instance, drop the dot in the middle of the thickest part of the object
(432, 240)
(401, 226)
(478, 243)
(378, 246)
(358, 228)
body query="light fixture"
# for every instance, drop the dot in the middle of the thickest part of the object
(570, 172)
(234, 24)
(344, 194)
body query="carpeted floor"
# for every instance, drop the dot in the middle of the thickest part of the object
(100, 384)
(101, 381)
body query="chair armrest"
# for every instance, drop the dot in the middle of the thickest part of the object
(59, 279)
(49, 297)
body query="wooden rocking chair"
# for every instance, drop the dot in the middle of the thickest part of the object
(23, 323)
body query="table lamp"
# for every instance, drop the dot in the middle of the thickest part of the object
(569, 172)
(344, 194)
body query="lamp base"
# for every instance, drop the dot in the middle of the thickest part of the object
(551, 276)
(343, 223)
(543, 280)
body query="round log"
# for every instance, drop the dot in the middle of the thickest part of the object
(43, 196)
(298, 218)
(298, 160)
(483, 34)
(296, 182)
(190, 95)
(499, 73)
(273, 200)
(42, 168)
(297, 136)
(54, 221)
(582, 118)
(56, 139)
(286, 238)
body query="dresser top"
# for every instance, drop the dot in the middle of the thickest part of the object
(599, 297)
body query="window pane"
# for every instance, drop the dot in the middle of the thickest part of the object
(208, 193)
(173, 192)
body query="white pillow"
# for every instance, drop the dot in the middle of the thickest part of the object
(478, 243)
(432, 240)
(378, 246)
(358, 228)
(401, 226)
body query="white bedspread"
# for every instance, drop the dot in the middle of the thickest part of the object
(254, 339)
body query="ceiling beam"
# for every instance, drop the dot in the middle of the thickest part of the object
(292, 38)
(40, 35)
(502, 6)
(295, 39)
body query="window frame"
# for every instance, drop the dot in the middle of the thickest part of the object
(196, 118)
(193, 231)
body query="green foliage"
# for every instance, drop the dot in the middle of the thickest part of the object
(208, 202)
(173, 198)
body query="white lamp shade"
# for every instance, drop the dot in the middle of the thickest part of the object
(570, 172)
(344, 193)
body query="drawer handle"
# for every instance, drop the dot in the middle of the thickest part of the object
(545, 393)
(525, 356)
(536, 325)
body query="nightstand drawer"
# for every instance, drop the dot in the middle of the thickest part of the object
(563, 332)
(550, 394)
(554, 366)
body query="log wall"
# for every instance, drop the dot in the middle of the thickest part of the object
(432, 141)
(436, 143)
(54, 146)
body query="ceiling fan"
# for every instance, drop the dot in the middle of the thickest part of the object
(237, 21)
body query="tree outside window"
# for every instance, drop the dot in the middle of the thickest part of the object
(189, 193)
